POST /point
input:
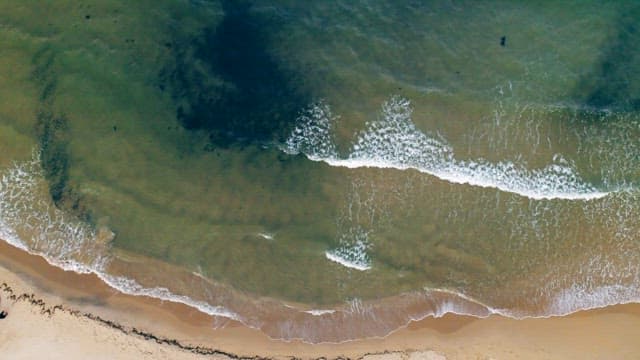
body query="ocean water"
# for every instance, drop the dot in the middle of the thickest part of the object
(328, 170)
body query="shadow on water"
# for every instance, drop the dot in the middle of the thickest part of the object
(614, 83)
(52, 130)
(229, 83)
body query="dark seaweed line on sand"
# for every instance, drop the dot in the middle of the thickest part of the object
(132, 331)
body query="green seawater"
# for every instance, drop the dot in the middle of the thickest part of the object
(160, 128)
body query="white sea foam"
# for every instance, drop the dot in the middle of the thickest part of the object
(449, 307)
(131, 287)
(319, 312)
(266, 236)
(342, 256)
(459, 304)
(352, 252)
(581, 297)
(313, 134)
(395, 142)
(29, 221)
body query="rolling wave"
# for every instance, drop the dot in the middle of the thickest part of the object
(352, 252)
(29, 221)
(395, 142)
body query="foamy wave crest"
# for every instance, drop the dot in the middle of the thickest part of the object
(453, 302)
(352, 252)
(313, 134)
(131, 287)
(395, 142)
(581, 297)
(358, 319)
(30, 221)
(319, 312)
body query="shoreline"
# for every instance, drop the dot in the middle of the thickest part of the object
(166, 326)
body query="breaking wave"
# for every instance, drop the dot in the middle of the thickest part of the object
(352, 251)
(395, 142)
(30, 221)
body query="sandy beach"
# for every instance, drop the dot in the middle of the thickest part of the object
(70, 316)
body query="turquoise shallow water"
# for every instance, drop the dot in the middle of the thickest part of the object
(332, 170)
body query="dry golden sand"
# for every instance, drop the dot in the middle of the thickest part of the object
(55, 314)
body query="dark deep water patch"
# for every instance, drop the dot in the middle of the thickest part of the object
(228, 83)
(52, 131)
(614, 82)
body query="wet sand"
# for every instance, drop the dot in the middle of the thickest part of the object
(63, 315)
